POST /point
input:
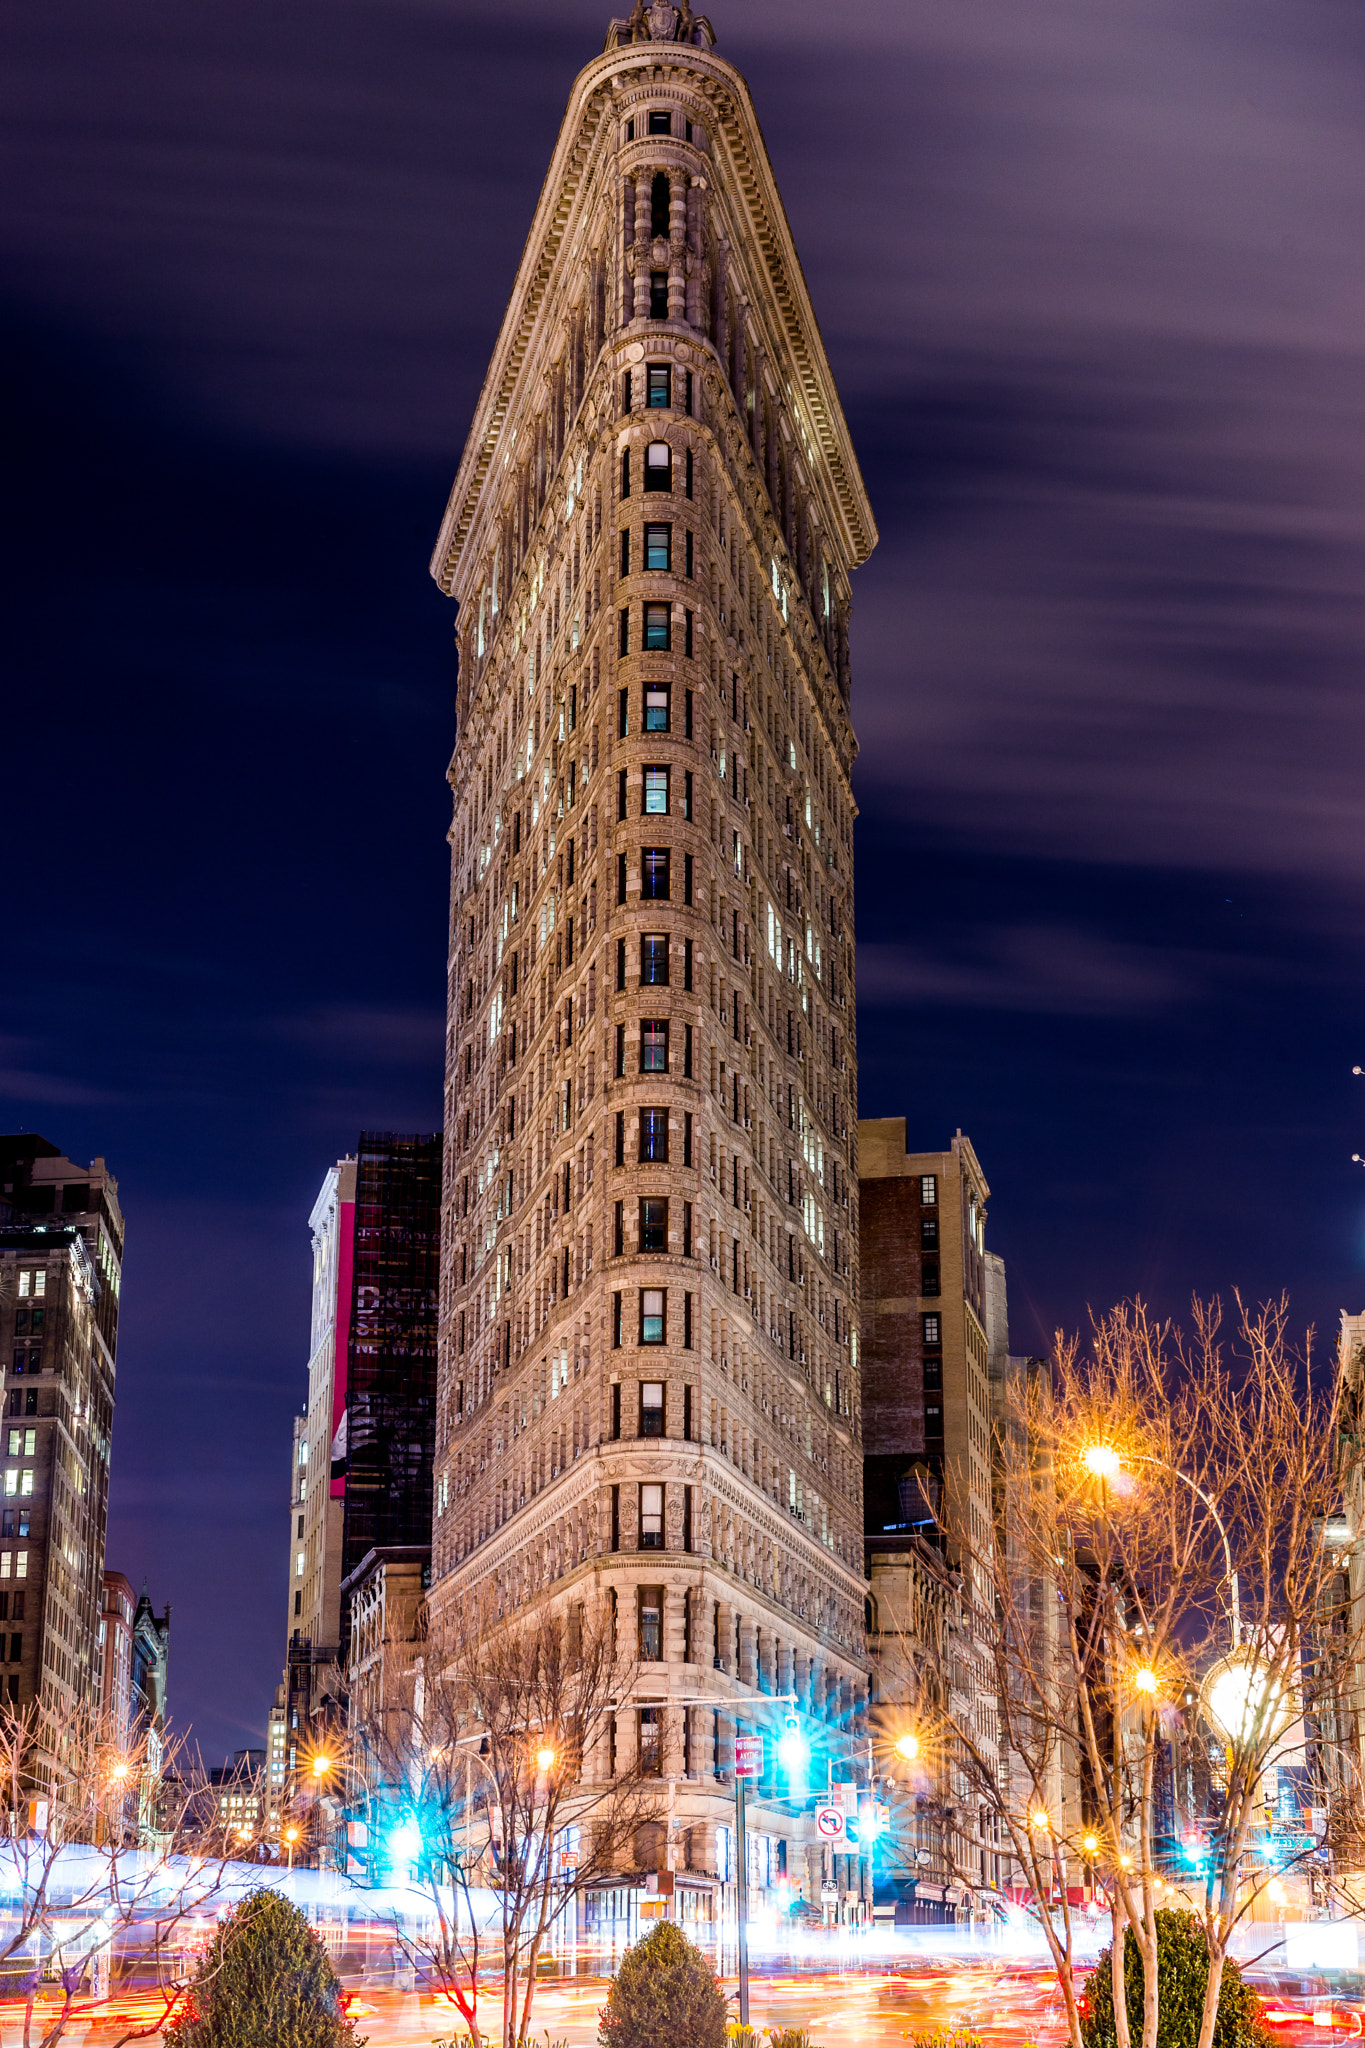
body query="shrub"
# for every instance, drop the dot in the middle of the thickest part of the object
(788, 2037)
(1182, 1973)
(946, 2037)
(664, 1993)
(266, 1981)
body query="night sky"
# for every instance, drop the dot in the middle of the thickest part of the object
(1092, 280)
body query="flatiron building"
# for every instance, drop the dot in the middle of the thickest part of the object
(648, 1362)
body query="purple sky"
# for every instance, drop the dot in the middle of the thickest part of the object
(1092, 279)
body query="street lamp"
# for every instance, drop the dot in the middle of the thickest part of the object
(291, 1836)
(907, 1747)
(1145, 1679)
(1246, 1701)
(1103, 1462)
(546, 1759)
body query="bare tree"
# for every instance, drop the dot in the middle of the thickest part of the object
(111, 1856)
(1157, 1575)
(503, 1782)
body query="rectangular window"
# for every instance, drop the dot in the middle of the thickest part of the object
(620, 1137)
(623, 644)
(687, 710)
(688, 552)
(654, 874)
(655, 793)
(688, 394)
(928, 1233)
(689, 472)
(687, 885)
(625, 471)
(687, 634)
(687, 1322)
(12, 1481)
(621, 795)
(16, 1437)
(652, 1318)
(659, 465)
(660, 387)
(651, 1408)
(618, 1230)
(653, 960)
(620, 1052)
(651, 1598)
(929, 1278)
(625, 551)
(27, 1486)
(656, 707)
(687, 1138)
(660, 123)
(653, 1136)
(616, 1346)
(659, 547)
(654, 1046)
(931, 1330)
(298, 1565)
(687, 1029)
(928, 1189)
(620, 878)
(620, 965)
(658, 294)
(687, 1233)
(622, 713)
(658, 631)
(687, 782)
(654, 1224)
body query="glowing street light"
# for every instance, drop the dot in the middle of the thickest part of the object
(546, 1758)
(1246, 1701)
(907, 1748)
(321, 1765)
(1145, 1679)
(1090, 1844)
(1039, 1819)
(1102, 1461)
(291, 1836)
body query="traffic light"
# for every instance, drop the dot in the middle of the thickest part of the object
(793, 1749)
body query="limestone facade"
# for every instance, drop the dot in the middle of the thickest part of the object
(649, 1383)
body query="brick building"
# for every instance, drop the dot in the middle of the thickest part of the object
(61, 1253)
(649, 1381)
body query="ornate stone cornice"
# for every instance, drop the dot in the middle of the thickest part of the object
(740, 164)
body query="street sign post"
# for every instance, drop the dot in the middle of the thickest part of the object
(829, 1823)
(748, 1764)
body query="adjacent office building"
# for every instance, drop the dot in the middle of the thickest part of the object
(361, 1473)
(935, 1371)
(61, 1252)
(649, 1376)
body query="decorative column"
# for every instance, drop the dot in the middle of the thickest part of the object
(643, 179)
(677, 247)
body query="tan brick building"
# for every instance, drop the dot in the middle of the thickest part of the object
(649, 1382)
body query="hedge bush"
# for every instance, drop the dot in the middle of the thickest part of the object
(665, 1993)
(1182, 1973)
(266, 1981)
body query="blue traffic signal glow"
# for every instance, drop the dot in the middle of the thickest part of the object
(793, 1749)
(405, 1842)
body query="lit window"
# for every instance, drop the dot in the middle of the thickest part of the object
(928, 1189)
(27, 1486)
(658, 635)
(652, 1408)
(298, 1565)
(652, 1519)
(4, 1563)
(654, 1135)
(15, 1437)
(654, 1046)
(651, 1315)
(656, 707)
(658, 547)
(656, 792)
(653, 960)
(654, 1226)
(659, 464)
(25, 1283)
(21, 1565)
(660, 381)
(11, 1482)
(303, 1452)
(30, 1442)
(654, 874)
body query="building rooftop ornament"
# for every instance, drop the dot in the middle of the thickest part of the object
(661, 22)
